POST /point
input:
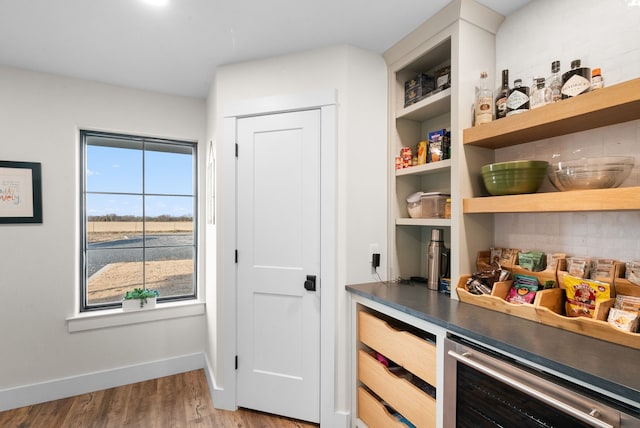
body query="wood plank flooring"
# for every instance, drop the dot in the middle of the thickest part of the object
(176, 401)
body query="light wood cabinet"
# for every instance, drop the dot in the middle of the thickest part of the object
(407, 386)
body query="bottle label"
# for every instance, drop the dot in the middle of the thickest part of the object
(516, 99)
(575, 86)
(484, 113)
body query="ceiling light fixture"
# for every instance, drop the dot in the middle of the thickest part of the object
(158, 3)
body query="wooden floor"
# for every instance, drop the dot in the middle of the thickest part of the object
(175, 401)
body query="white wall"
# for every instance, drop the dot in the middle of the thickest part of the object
(40, 116)
(602, 33)
(360, 80)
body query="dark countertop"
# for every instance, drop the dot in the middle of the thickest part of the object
(608, 366)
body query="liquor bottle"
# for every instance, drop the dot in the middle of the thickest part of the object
(596, 79)
(540, 95)
(518, 100)
(484, 102)
(576, 81)
(554, 82)
(501, 98)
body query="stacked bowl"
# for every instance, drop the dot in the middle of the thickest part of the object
(590, 173)
(514, 177)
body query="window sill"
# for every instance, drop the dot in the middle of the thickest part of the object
(116, 317)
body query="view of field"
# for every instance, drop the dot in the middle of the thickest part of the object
(99, 231)
(170, 277)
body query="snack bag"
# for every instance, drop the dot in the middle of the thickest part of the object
(523, 290)
(583, 294)
(624, 320)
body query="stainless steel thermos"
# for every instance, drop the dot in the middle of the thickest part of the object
(437, 259)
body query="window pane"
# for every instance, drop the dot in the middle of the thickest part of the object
(172, 276)
(138, 208)
(111, 169)
(168, 173)
(113, 218)
(111, 273)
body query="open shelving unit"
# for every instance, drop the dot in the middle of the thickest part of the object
(608, 106)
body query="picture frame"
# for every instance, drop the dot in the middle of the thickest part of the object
(20, 192)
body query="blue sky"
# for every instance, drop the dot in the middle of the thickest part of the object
(168, 178)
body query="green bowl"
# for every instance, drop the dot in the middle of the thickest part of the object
(514, 177)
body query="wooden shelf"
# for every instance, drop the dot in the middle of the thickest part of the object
(432, 106)
(608, 106)
(620, 199)
(426, 169)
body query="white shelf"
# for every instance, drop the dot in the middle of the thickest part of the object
(432, 106)
(426, 169)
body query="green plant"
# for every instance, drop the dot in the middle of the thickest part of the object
(142, 294)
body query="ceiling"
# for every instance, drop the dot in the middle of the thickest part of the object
(175, 49)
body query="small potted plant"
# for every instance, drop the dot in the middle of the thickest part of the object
(139, 298)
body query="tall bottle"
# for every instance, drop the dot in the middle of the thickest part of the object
(518, 101)
(576, 81)
(501, 98)
(484, 102)
(554, 82)
(540, 96)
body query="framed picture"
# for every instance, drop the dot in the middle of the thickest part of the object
(20, 192)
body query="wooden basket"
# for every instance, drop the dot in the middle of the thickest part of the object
(548, 308)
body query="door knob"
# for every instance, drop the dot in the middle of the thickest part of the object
(310, 283)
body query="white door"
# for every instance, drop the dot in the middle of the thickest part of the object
(278, 248)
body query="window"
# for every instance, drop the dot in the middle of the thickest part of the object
(138, 218)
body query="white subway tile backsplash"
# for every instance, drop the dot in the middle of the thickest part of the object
(602, 33)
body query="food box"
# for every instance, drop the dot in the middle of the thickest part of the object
(439, 145)
(418, 88)
(426, 205)
(443, 78)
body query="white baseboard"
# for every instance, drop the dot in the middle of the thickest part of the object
(67, 387)
(340, 419)
(220, 398)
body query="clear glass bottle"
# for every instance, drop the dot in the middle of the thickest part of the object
(518, 100)
(554, 82)
(576, 81)
(597, 82)
(540, 96)
(501, 98)
(484, 102)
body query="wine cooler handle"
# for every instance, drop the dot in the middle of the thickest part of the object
(530, 391)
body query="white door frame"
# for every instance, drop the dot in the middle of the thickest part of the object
(326, 102)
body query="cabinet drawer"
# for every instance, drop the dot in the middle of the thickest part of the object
(406, 398)
(406, 349)
(373, 413)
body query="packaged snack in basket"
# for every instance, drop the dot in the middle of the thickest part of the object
(633, 272)
(523, 290)
(579, 266)
(624, 320)
(627, 303)
(534, 261)
(602, 268)
(583, 294)
(552, 261)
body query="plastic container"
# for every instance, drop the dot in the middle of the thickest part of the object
(427, 205)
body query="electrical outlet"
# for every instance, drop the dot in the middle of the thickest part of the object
(373, 249)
